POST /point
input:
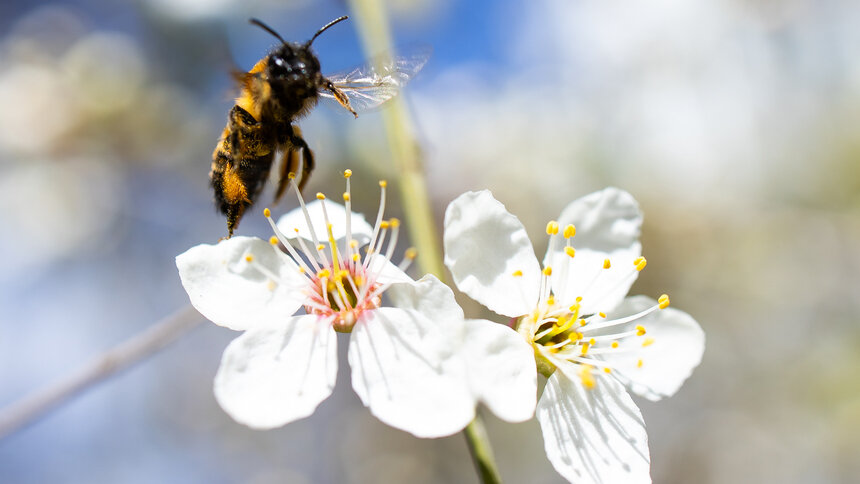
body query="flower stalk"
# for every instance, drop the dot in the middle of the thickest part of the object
(375, 34)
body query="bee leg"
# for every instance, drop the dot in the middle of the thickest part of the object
(240, 122)
(307, 156)
(339, 96)
(289, 164)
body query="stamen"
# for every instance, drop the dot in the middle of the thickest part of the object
(569, 231)
(570, 251)
(552, 227)
(286, 243)
(627, 319)
(640, 263)
(606, 264)
(647, 342)
(663, 302)
(409, 256)
(517, 273)
(587, 378)
(379, 214)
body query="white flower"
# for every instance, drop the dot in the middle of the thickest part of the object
(409, 359)
(588, 339)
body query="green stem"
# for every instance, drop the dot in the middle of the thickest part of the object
(372, 21)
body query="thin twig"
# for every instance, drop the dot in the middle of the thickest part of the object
(30, 408)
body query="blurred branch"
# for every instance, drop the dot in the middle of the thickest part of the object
(122, 356)
(406, 154)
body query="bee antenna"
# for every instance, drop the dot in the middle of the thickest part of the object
(268, 29)
(339, 19)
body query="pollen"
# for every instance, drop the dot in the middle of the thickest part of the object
(615, 344)
(640, 263)
(347, 173)
(582, 322)
(602, 314)
(639, 364)
(249, 258)
(585, 347)
(267, 213)
(517, 273)
(547, 271)
(320, 196)
(592, 342)
(648, 342)
(569, 231)
(570, 251)
(586, 377)
(552, 227)
(607, 370)
(606, 264)
(640, 330)
(663, 302)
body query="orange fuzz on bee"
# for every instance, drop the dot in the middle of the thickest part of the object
(281, 88)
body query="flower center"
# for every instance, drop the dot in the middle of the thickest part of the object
(562, 335)
(341, 283)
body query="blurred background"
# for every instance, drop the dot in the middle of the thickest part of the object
(733, 122)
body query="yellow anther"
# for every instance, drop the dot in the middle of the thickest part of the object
(574, 308)
(592, 341)
(547, 271)
(517, 273)
(569, 231)
(579, 299)
(648, 342)
(586, 377)
(606, 264)
(356, 257)
(296, 229)
(575, 336)
(353, 243)
(271, 285)
(323, 273)
(345, 196)
(570, 251)
(640, 263)
(640, 330)
(663, 302)
(607, 370)
(639, 364)
(585, 348)
(615, 344)
(347, 173)
(602, 314)
(550, 300)
(291, 175)
(249, 258)
(267, 213)
(582, 322)
(395, 222)
(411, 253)
(384, 224)
(320, 196)
(301, 270)
(552, 227)
(273, 240)
(383, 183)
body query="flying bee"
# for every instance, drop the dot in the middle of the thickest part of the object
(281, 88)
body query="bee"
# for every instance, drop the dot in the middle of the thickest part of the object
(281, 88)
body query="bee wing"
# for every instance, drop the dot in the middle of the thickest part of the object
(372, 84)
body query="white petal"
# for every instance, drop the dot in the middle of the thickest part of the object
(593, 435)
(584, 276)
(235, 293)
(279, 372)
(608, 224)
(677, 347)
(386, 272)
(434, 299)
(295, 219)
(403, 372)
(606, 221)
(484, 246)
(501, 367)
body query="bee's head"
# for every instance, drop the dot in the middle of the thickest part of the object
(293, 67)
